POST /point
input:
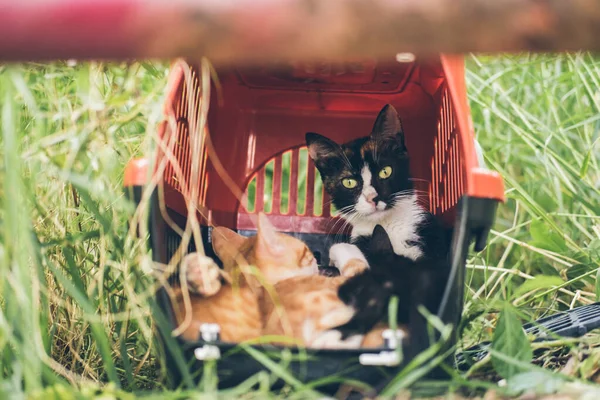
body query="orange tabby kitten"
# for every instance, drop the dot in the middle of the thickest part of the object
(286, 297)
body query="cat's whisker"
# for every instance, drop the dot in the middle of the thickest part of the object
(339, 226)
(336, 237)
(346, 220)
(347, 208)
(418, 190)
(345, 211)
(336, 222)
(345, 215)
(403, 196)
(410, 193)
(340, 234)
(327, 203)
(419, 180)
(421, 199)
(342, 213)
(336, 229)
(348, 163)
(419, 196)
(345, 223)
(352, 218)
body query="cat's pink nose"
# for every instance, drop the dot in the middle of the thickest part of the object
(372, 198)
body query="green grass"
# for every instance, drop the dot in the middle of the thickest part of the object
(537, 119)
(74, 308)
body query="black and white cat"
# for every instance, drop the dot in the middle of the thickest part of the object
(369, 182)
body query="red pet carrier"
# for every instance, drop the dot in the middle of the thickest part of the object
(256, 124)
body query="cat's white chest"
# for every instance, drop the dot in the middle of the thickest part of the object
(400, 223)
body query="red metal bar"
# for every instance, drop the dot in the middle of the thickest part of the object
(239, 31)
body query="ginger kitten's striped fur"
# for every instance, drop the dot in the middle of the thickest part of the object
(292, 300)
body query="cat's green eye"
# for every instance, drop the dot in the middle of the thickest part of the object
(349, 183)
(385, 172)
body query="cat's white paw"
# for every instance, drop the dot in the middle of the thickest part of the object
(332, 339)
(313, 330)
(201, 273)
(324, 337)
(347, 258)
(336, 317)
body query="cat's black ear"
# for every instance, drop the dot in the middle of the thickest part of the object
(388, 125)
(380, 241)
(320, 147)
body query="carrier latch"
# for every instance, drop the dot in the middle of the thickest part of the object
(208, 333)
(388, 358)
(207, 352)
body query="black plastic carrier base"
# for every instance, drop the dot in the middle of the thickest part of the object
(326, 369)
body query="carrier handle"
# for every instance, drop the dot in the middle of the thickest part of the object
(136, 172)
(135, 179)
(486, 184)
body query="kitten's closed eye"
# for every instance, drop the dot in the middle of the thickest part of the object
(308, 259)
(329, 271)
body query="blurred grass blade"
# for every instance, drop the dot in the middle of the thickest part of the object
(275, 368)
(168, 341)
(510, 340)
(538, 282)
(586, 161)
(20, 286)
(98, 329)
(597, 285)
(424, 362)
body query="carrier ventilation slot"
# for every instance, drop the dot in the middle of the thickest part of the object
(288, 184)
(187, 109)
(174, 241)
(447, 169)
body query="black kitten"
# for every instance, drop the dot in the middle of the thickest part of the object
(415, 283)
(370, 184)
